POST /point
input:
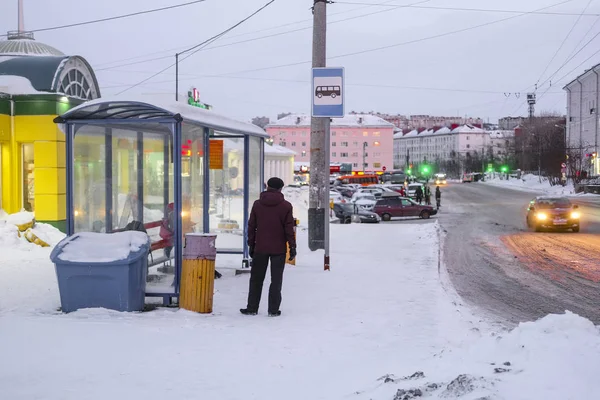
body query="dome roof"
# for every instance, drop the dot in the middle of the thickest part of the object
(23, 46)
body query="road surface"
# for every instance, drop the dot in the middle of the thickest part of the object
(498, 265)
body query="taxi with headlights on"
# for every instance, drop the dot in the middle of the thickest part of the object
(553, 213)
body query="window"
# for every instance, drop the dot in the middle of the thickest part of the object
(467, 138)
(354, 165)
(282, 133)
(304, 134)
(333, 133)
(376, 154)
(365, 134)
(293, 144)
(345, 134)
(376, 165)
(303, 144)
(376, 134)
(355, 144)
(366, 165)
(282, 143)
(333, 154)
(333, 144)
(344, 144)
(468, 146)
(344, 155)
(304, 154)
(355, 154)
(27, 177)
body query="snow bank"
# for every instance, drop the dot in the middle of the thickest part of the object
(299, 199)
(101, 247)
(19, 218)
(531, 183)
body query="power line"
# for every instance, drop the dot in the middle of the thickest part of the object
(255, 39)
(563, 42)
(115, 17)
(476, 9)
(197, 47)
(402, 43)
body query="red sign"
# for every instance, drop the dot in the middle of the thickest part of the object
(384, 168)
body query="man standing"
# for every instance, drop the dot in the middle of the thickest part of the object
(270, 228)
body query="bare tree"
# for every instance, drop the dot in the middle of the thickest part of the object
(261, 121)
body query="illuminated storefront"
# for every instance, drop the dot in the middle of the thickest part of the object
(37, 83)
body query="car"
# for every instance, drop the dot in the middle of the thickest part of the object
(390, 207)
(553, 213)
(366, 201)
(412, 189)
(228, 225)
(375, 191)
(347, 212)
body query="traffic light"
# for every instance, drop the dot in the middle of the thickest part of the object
(426, 169)
(409, 171)
(504, 169)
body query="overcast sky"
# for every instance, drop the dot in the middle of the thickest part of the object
(467, 73)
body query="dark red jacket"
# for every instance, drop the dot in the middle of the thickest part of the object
(271, 224)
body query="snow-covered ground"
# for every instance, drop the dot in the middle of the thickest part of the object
(531, 183)
(384, 323)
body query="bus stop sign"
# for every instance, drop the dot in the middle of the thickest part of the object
(328, 92)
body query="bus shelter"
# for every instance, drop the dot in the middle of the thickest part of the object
(167, 169)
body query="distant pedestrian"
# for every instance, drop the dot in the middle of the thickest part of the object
(419, 194)
(427, 195)
(438, 197)
(270, 229)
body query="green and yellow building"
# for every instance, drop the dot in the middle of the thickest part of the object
(37, 83)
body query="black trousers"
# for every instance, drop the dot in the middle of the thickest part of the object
(257, 278)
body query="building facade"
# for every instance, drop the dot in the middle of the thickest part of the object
(37, 83)
(450, 143)
(510, 123)
(354, 138)
(425, 121)
(583, 120)
(279, 161)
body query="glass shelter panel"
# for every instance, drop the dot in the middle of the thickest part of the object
(255, 186)
(192, 178)
(123, 180)
(227, 191)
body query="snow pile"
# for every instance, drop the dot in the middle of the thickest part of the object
(531, 183)
(299, 199)
(20, 218)
(554, 358)
(101, 247)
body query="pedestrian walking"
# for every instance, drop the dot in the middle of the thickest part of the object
(419, 194)
(427, 195)
(270, 229)
(438, 197)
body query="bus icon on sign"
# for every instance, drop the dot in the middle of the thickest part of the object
(331, 91)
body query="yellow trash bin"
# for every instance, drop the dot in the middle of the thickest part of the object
(198, 272)
(287, 255)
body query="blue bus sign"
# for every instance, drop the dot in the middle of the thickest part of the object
(328, 92)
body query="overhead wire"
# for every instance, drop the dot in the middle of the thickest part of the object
(402, 43)
(474, 9)
(96, 21)
(257, 38)
(563, 42)
(197, 47)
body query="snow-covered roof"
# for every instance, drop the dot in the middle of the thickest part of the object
(13, 85)
(412, 133)
(350, 120)
(467, 129)
(143, 106)
(276, 150)
(502, 134)
(443, 131)
(427, 132)
(398, 135)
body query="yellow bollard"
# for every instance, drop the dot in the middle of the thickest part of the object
(198, 272)
(287, 255)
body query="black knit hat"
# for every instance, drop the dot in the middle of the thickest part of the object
(275, 183)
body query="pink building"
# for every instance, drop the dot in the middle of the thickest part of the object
(352, 137)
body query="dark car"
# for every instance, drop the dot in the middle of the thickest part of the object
(346, 212)
(552, 213)
(390, 207)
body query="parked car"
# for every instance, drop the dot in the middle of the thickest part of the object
(552, 213)
(346, 212)
(345, 191)
(390, 207)
(375, 191)
(228, 225)
(412, 189)
(366, 201)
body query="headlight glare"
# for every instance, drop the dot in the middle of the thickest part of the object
(575, 215)
(541, 216)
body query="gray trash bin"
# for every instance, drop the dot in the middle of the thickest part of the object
(102, 270)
